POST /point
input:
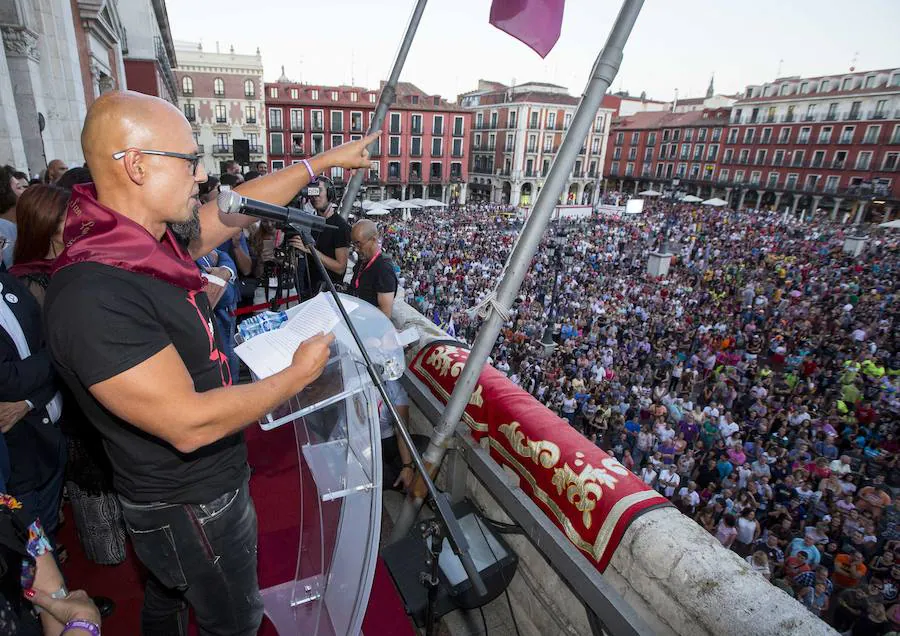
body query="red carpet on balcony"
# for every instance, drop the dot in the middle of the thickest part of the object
(274, 485)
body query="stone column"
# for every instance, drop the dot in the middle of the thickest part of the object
(860, 212)
(741, 200)
(636, 186)
(515, 194)
(403, 192)
(835, 209)
(11, 146)
(888, 213)
(794, 205)
(23, 60)
(815, 206)
(728, 192)
(462, 193)
(778, 196)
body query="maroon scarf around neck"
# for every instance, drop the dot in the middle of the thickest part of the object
(96, 234)
(39, 266)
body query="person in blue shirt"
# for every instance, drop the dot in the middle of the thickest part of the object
(238, 250)
(226, 323)
(632, 427)
(724, 467)
(807, 543)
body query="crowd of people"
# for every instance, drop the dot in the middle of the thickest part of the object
(755, 385)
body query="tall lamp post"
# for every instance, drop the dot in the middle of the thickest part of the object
(360, 197)
(556, 256)
(562, 254)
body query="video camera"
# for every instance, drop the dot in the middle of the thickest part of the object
(315, 188)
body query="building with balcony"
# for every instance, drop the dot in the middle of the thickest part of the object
(423, 151)
(516, 134)
(221, 95)
(665, 150)
(828, 143)
(150, 52)
(57, 58)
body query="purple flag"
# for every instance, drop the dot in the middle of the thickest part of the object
(534, 22)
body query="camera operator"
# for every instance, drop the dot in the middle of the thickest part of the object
(333, 245)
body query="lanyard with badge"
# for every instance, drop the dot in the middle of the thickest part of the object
(368, 265)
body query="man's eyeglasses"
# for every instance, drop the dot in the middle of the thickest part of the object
(358, 244)
(194, 160)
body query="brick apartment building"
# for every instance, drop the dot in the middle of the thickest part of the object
(516, 134)
(828, 145)
(423, 152)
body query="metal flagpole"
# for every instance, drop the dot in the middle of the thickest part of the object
(388, 95)
(605, 68)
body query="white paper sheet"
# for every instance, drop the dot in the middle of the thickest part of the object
(272, 352)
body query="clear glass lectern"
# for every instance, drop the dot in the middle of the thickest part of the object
(338, 437)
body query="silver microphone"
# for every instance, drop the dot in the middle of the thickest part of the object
(231, 202)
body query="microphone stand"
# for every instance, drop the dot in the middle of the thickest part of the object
(452, 529)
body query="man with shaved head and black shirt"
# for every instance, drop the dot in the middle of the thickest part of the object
(132, 333)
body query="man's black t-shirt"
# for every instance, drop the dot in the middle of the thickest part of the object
(101, 321)
(369, 280)
(328, 241)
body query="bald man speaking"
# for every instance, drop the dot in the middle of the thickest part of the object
(132, 333)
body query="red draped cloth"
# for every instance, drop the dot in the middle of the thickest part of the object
(588, 494)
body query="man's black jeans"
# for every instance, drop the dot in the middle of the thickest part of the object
(198, 554)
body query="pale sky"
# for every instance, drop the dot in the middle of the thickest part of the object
(676, 44)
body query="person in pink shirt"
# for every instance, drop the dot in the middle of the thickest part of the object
(726, 531)
(736, 455)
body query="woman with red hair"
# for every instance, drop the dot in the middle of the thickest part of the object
(40, 217)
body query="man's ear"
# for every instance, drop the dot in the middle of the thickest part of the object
(135, 167)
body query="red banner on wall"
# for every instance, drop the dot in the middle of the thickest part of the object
(588, 494)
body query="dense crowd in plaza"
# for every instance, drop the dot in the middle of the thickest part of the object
(755, 385)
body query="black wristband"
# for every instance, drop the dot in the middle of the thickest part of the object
(408, 465)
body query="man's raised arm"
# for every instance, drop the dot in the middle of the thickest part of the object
(278, 188)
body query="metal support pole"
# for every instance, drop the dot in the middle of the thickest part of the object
(547, 340)
(388, 94)
(605, 68)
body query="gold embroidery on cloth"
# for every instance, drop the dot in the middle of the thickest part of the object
(584, 489)
(601, 543)
(541, 452)
(441, 361)
(475, 400)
